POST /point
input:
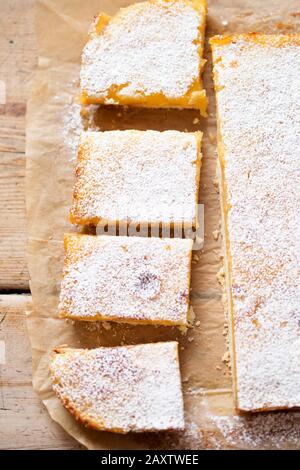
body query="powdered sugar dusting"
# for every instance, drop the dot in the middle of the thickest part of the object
(75, 119)
(191, 438)
(259, 109)
(148, 48)
(130, 388)
(137, 176)
(260, 431)
(72, 128)
(129, 279)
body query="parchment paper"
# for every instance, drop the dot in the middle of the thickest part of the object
(53, 120)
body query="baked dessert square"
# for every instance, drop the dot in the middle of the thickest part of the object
(126, 279)
(121, 389)
(137, 177)
(149, 54)
(258, 104)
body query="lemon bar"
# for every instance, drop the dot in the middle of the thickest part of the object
(258, 103)
(141, 177)
(148, 54)
(121, 389)
(126, 279)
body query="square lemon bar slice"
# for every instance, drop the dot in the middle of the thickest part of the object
(137, 177)
(258, 101)
(121, 389)
(148, 54)
(126, 279)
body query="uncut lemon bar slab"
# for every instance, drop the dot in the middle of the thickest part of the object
(126, 279)
(137, 177)
(121, 389)
(258, 105)
(148, 54)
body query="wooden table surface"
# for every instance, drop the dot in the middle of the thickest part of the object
(24, 422)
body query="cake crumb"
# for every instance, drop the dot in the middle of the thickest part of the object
(199, 243)
(216, 234)
(183, 329)
(221, 277)
(225, 330)
(216, 184)
(226, 358)
(211, 137)
(191, 317)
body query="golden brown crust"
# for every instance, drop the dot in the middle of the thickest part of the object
(121, 90)
(89, 384)
(107, 191)
(152, 285)
(276, 40)
(259, 381)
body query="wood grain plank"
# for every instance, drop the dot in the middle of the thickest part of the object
(18, 58)
(17, 47)
(13, 268)
(24, 422)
